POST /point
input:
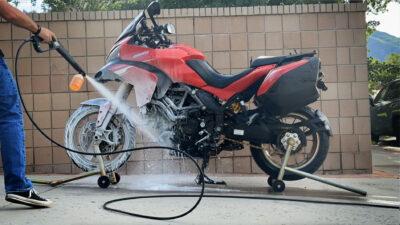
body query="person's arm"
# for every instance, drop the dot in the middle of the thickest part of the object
(18, 18)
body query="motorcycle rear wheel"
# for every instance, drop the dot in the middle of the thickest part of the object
(270, 163)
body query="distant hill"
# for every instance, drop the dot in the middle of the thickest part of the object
(381, 44)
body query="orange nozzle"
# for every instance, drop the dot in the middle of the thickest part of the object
(76, 83)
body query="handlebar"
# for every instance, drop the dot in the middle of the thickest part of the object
(55, 45)
(153, 37)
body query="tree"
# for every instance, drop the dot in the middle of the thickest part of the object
(89, 5)
(381, 73)
(378, 6)
(374, 6)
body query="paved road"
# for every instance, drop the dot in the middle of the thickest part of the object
(386, 160)
(79, 203)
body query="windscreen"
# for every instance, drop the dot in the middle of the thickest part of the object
(131, 28)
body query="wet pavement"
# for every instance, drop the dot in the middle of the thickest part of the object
(80, 202)
(386, 159)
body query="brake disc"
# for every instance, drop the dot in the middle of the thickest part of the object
(110, 138)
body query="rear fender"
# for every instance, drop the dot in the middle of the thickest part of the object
(321, 122)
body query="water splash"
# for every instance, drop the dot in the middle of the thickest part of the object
(152, 125)
(133, 116)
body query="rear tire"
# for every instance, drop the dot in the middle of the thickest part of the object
(272, 170)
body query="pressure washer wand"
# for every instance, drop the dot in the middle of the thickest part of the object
(77, 80)
(65, 54)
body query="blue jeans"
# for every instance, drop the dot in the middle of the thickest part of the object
(12, 134)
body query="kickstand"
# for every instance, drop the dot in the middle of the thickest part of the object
(203, 177)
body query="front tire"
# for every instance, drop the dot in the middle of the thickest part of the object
(271, 167)
(79, 133)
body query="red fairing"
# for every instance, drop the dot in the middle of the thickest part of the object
(239, 85)
(172, 61)
(276, 74)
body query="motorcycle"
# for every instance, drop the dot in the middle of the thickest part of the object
(199, 110)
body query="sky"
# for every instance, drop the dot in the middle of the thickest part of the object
(27, 6)
(390, 20)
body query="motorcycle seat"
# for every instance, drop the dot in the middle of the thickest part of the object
(268, 60)
(212, 77)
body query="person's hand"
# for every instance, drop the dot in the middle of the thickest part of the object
(47, 35)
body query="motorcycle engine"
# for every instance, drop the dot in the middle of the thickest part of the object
(195, 133)
(192, 122)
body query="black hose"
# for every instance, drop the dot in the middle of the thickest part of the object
(201, 173)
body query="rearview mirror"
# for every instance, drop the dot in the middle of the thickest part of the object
(154, 9)
(170, 28)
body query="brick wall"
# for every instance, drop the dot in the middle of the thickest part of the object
(230, 37)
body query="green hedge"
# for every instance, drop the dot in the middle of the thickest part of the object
(236, 3)
(87, 5)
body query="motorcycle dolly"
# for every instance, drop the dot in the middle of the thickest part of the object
(103, 181)
(290, 143)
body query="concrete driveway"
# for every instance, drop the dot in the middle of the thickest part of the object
(386, 157)
(80, 202)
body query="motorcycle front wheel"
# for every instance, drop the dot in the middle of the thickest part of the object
(79, 134)
(308, 157)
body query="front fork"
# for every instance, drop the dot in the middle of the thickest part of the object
(106, 113)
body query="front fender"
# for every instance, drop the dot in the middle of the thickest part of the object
(102, 103)
(95, 102)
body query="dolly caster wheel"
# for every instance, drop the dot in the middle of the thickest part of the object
(278, 186)
(103, 182)
(117, 179)
(271, 180)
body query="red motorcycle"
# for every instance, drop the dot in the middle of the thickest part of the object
(201, 111)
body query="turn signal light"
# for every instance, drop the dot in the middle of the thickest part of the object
(77, 82)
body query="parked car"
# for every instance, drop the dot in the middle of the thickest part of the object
(385, 112)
